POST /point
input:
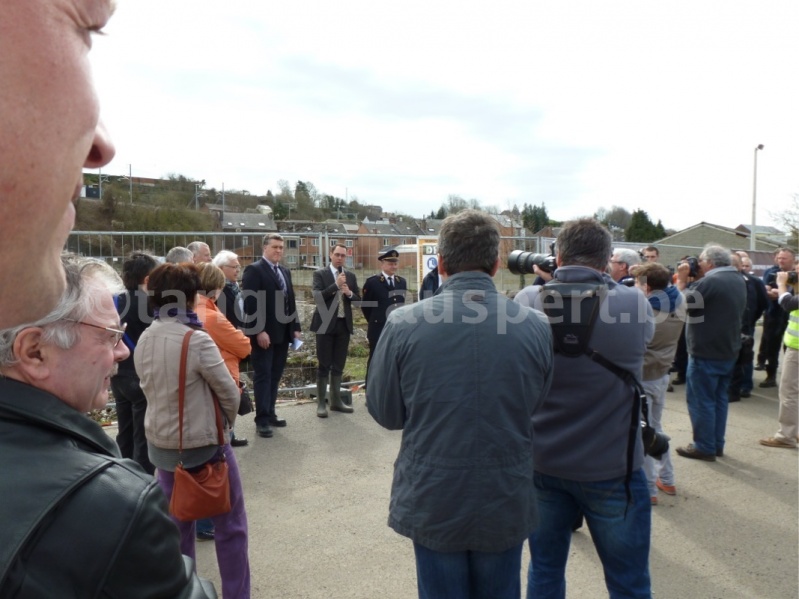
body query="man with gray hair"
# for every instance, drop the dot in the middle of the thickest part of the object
(179, 254)
(63, 474)
(463, 487)
(200, 251)
(716, 305)
(621, 262)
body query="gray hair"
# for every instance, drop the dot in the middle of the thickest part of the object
(179, 254)
(716, 255)
(469, 241)
(224, 257)
(628, 256)
(195, 246)
(84, 276)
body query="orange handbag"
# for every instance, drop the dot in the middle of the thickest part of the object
(202, 492)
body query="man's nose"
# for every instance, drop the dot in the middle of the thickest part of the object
(102, 150)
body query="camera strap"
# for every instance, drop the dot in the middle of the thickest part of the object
(572, 309)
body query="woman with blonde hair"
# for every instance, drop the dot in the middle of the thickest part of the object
(232, 343)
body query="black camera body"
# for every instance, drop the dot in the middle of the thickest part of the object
(693, 262)
(521, 262)
(655, 443)
(793, 277)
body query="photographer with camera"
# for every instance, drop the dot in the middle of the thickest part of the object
(788, 418)
(668, 308)
(713, 336)
(587, 446)
(621, 262)
(681, 355)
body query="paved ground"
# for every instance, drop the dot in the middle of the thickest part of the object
(317, 500)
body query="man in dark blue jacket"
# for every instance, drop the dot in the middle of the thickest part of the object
(271, 323)
(775, 319)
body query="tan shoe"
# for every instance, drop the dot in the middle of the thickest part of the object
(774, 442)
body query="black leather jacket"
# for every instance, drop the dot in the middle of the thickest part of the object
(78, 520)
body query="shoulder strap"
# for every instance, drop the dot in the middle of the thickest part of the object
(184, 351)
(572, 309)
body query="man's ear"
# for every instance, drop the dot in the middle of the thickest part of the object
(32, 355)
(441, 268)
(495, 268)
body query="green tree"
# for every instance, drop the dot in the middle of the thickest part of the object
(642, 229)
(534, 218)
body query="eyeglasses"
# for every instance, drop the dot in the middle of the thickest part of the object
(235, 266)
(118, 333)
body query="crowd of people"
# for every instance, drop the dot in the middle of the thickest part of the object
(499, 434)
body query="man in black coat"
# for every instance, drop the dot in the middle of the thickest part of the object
(756, 303)
(775, 319)
(334, 290)
(381, 294)
(78, 519)
(271, 323)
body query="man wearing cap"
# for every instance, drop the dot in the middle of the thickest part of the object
(381, 294)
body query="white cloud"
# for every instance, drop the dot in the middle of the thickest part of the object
(578, 105)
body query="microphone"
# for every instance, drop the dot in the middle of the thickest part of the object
(340, 270)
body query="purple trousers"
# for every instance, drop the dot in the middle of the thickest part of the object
(230, 535)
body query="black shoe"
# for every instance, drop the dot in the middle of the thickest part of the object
(733, 398)
(278, 422)
(670, 388)
(760, 366)
(678, 381)
(205, 535)
(746, 394)
(768, 383)
(239, 441)
(264, 431)
(693, 453)
(719, 453)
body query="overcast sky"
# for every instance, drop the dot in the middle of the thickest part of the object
(575, 104)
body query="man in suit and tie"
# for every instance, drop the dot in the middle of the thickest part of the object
(334, 290)
(271, 322)
(382, 293)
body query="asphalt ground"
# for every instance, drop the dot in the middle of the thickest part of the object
(318, 491)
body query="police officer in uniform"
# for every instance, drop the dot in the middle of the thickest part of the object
(381, 294)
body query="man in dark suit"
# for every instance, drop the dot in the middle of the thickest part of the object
(430, 284)
(382, 293)
(271, 323)
(333, 292)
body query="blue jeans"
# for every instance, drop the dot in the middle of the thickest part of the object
(620, 531)
(707, 383)
(468, 574)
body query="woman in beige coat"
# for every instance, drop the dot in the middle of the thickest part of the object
(174, 290)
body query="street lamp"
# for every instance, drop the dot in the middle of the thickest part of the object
(754, 202)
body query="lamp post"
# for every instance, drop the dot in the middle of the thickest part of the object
(754, 202)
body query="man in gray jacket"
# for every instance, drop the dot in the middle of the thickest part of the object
(461, 374)
(586, 436)
(713, 336)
